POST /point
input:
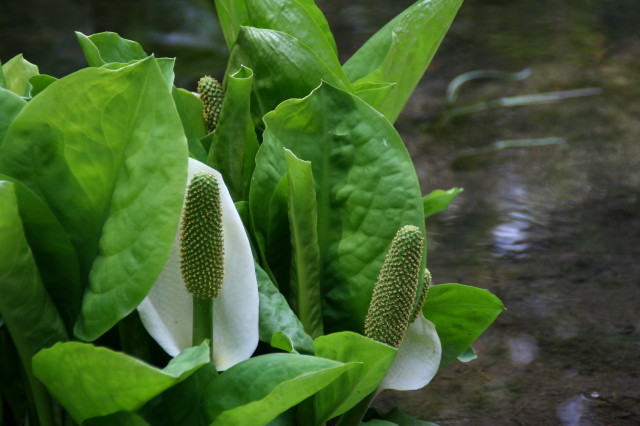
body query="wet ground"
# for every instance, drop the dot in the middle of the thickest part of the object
(553, 230)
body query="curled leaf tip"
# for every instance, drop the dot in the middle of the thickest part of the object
(391, 305)
(202, 242)
(212, 94)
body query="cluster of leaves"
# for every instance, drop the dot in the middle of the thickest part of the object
(93, 168)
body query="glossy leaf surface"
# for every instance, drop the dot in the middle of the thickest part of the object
(118, 382)
(461, 314)
(283, 67)
(366, 189)
(277, 317)
(25, 307)
(402, 50)
(263, 387)
(234, 143)
(53, 252)
(357, 383)
(304, 282)
(110, 157)
(17, 72)
(10, 106)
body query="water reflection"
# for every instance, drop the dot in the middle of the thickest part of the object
(523, 349)
(573, 412)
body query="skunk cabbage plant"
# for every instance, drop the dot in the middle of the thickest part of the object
(284, 196)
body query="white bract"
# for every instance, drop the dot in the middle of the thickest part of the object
(418, 358)
(167, 311)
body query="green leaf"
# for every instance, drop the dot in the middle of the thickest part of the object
(439, 200)
(378, 422)
(53, 252)
(106, 47)
(274, 240)
(261, 388)
(402, 50)
(17, 73)
(357, 383)
(121, 418)
(12, 389)
(234, 145)
(39, 82)
(117, 382)
(3, 82)
(398, 417)
(10, 105)
(106, 152)
(299, 18)
(305, 296)
(374, 94)
(110, 49)
(182, 404)
(190, 110)
(283, 67)
(461, 314)
(232, 14)
(366, 189)
(276, 317)
(468, 355)
(28, 312)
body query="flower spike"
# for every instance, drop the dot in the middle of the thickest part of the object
(395, 291)
(201, 241)
(212, 94)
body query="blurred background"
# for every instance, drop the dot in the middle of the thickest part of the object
(549, 219)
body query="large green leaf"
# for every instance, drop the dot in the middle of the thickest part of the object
(53, 252)
(366, 189)
(10, 105)
(117, 381)
(190, 108)
(283, 67)
(106, 152)
(461, 314)
(17, 73)
(277, 317)
(232, 14)
(299, 18)
(234, 145)
(304, 285)
(402, 50)
(26, 308)
(357, 383)
(259, 389)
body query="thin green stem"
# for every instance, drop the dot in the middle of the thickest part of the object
(203, 322)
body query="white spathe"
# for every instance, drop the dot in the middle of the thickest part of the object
(417, 360)
(167, 310)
